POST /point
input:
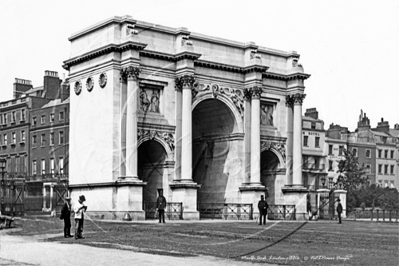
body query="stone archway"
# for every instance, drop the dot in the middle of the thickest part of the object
(270, 163)
(215, 149)
(151, 165)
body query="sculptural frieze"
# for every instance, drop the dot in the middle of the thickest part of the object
(280, 148)
(152, 134)
(266, 114)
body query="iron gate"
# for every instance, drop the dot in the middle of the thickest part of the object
(227, 211)
(13, 199)
(173, 211)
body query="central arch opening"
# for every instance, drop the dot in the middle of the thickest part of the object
(269, 164)
(213, 124)
(151, 163)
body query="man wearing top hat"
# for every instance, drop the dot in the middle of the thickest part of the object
(66, 216)
(161, 205)
(339, 210)
(79, 209)
(262, 206)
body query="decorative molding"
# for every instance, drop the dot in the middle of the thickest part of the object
(78, 87)
(130, 72)
(89, 84)
(267, 145)
(235, 95)
(185, 41)
(187, 81)
(102, 80)
(130, 45)
(298, 98)
(255, 91)
(152, 134)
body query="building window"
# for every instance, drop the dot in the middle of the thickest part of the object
(317, 143)
(330, 165)
(379, 153)
(392, 184)
(386, 183)
(380, 168)
(305, 141)
(61, 137)
(1, 119)
(51, 118)
(23, 115)
(392, 153)
(386, 169)
(330, 149)
(13, 118)
(14, 138)
(51, 138)
(43, 166)
(368, 153)
(392, 169)
(313, 125)
(341, 150)
(61, 165)
(52, 165)
(34, 139)
(34, 165)
(23, 136)
(380, 183)
(42, 140)
(354, 152)
(34, 121)
(43, 119)
(386, 153)
(5, 118)
(5, 139)
(368, 168)
(61, 116)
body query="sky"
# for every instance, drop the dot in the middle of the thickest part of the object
(350, 48)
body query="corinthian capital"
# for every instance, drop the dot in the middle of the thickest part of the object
(130, 72)
(256, 91)
(298, 98)
(289, 100)
(185, 82)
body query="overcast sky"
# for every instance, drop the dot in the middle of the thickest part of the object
(351, 48)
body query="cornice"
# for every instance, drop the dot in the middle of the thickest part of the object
(103, 50)
(283, 77)
(221, 66)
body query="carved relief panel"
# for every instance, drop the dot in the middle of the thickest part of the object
(267, 114)
(149, 100)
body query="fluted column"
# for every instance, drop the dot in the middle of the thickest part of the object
(255, 134)
(297, 154)
(290, 126)
(178, 146)
(186, 83)
(132, 74)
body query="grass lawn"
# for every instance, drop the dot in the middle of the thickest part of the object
(279, 242)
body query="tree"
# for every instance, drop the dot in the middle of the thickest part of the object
(352, 175)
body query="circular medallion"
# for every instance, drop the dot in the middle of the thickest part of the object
(102, 80)
(89, 84)
(78, 87)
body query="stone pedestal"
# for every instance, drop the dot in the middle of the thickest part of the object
(296, 195)
(250, 194)
(185, 191)
(130, 200)
(341, 194)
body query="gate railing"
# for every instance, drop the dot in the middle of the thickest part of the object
(281, 212)
(375, 215)
(227, 211)
(173, 211)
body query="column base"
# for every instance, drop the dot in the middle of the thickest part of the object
(185, 191)
(250, 194)
(297, 195)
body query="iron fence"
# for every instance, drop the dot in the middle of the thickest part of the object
(375, 215)
(281, 212)
(173, 211)
(227, 211)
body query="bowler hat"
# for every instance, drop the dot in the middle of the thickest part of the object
(338, 200)
(82, 198)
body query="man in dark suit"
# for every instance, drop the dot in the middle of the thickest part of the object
(66, 216)
(161, 205)
(339, 210)
(262, 206)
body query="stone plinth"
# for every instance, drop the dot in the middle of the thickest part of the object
(296, 195)
(341, 194)
(250, 194)
(185, 191)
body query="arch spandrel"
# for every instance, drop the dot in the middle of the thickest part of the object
(164, 138)
(277, 148)
(233, 98)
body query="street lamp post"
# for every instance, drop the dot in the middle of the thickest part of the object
(340, 183)
(3, 163)
(323, 181)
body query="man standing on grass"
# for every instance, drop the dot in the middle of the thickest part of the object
(79, 209)
(339, 210)
(161, 205)
(66, 216)
(262, 206)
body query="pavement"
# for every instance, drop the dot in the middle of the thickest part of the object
(33, 250)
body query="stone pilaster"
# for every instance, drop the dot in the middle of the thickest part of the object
(255, 135)
(297, 140)
(131, 74)
(290, 140)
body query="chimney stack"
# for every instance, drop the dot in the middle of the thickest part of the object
(21, 86)
(51, 85)
(312, 112)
